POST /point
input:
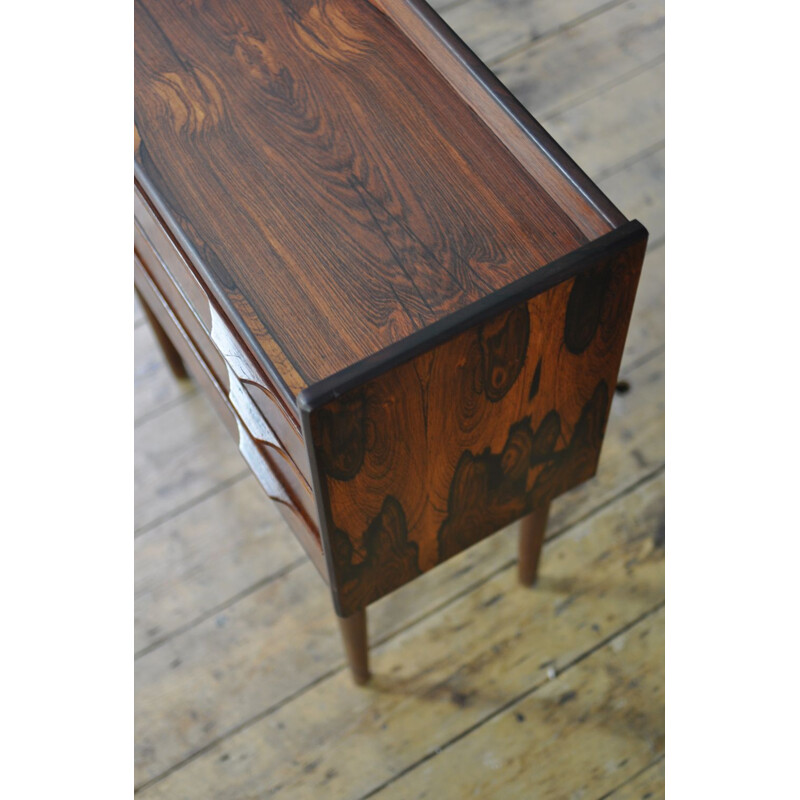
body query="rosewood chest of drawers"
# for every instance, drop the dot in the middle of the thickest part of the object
(404, 299)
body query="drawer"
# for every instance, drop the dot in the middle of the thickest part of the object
(237, 397)
(294, 501)
(255, 397)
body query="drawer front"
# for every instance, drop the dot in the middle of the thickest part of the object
(252, 393)
(237, 397)
(270, 469)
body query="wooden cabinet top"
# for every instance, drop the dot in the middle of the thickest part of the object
(344, 175)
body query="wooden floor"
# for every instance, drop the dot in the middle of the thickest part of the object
(482, 688)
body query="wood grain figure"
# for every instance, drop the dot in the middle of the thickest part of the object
(408, 304)
(423, 460)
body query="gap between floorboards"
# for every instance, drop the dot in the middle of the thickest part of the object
(411, 623)
(511, 703)
(523, 46)
(632, 778)
(601, 89)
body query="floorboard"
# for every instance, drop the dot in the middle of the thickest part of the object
(605, 129)
(557, 72)
(647, 784)
(195, 563)
(206, 664)
(435, 681)
(480, 685)
(154, 387)
(181, 456)
(499, 30)
(138, 312)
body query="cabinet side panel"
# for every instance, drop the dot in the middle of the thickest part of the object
(438, 452)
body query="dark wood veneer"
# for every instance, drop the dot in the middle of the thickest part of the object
(321, 171)
(420, 458)
(486, 95)
(407, 303)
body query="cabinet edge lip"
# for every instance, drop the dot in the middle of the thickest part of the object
(482, 76)
(567, 266)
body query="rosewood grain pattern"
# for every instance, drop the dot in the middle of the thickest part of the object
(425, 459)
(444, 329)
(335, 189)
(534, 148)
(393, 283)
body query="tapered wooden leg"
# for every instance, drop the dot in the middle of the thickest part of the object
(171, 355)
(354, 636)
(531, 537)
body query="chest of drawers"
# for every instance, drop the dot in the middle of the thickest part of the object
(406, 302)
